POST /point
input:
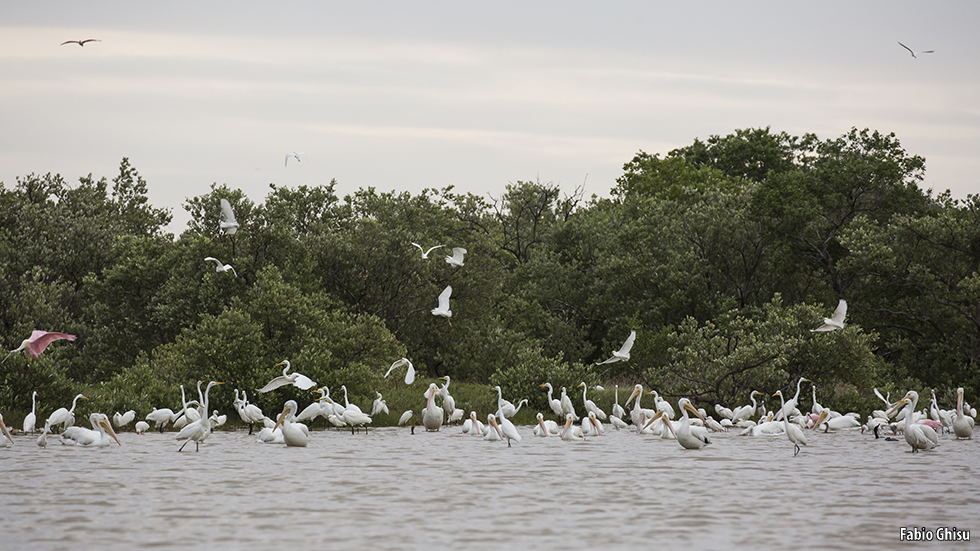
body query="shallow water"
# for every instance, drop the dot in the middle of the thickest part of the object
(388, 489)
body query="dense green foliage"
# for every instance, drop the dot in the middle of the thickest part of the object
(721, 255)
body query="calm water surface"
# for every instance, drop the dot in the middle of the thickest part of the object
(388, 489)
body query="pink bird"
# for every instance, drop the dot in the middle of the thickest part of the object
(38, 342)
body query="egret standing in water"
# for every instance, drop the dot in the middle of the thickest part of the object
(31, 417)
(793, 431)
(198, 430)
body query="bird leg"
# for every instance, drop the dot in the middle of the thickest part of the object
(181, 448)
(797, 452)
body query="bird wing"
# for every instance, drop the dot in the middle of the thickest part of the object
(628, 345)
(840, 312)
(907, 48)
(212, 259)
(232, 268)
(227, 213)
(275, 383)
(82, 43)
(410, 375)
(609, 361)
(419, 246)
(444, 297)
(303, 382)
(432, 249)
(395, 364)
(457, 256)
(41, 339)
(70, 42)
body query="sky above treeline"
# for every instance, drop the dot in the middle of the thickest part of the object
(412, 95)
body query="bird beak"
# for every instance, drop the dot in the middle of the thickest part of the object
(632, 395)
(690, 408)
(898, 405)
(656, 416)
(6, 431)
(108, 427)
(821, 418)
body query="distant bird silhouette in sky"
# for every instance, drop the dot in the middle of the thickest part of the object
(296, 155)
(80, 42)
(913, 53)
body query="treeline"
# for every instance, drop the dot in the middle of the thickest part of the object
(722, 255)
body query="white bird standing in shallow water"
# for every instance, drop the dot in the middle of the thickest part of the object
(963, 424)
(405, 417)
(443, 308)
(692, 438)
(553, 403)
(432, 416)
(200, 429)
(293, 434)
(221, 267)
(920, 437)
(590, 406)
(89, 438)
(914, 53)
(123, 419)
(296, 379)
(31, 417)
(425, 253)
(623, 354)
(62, 416)
(835, 321)
(457, 258)
(228, 222)
(379, 405)
(409, 375)
(793, 431)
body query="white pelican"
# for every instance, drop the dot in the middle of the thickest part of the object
(228, 222)
(271, 436)
(123, 419)
(835, 321)
(492, 432)
(617, 410)
(623, 354)
(443, 308)
(571, 432)
(199, 429)
(692, 438)
(553, 403)
(31, 417)
(7, 440)
(296, 379)
(638, 414)
(617, 422)
(379, 405)
(88, 438)
(62, 416)
(962, 425)
(566, 405)
(457, 258)
(842, 422)
(221, 268)
(545, 428)
(793, 431)
(293, 434)
(353, 414)
(913, 53)
(141, 427)
(432, 416)
(405, 417)
(473, 425)
(425, 253)
(409, 375)
(590, 405)
(915, 434)
(591, 426)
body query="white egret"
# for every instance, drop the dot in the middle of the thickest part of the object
(379, 405)
(293, 434)
(662, 405)
(566, 405)
(553, 403)
(315, 409)
(835, 321)
(89, 438)
(409, 375)
(221, 268)
(590, 406)
(200, 429)
(353, 415)
(504, 407)
(623, 354)
(963, 424)
(448, 402)
(793, 431)
(425, 253)
(745, 412)
(443, 308)
(31, 418)
(432, 416)
(457, 258)
(617, 410)
(141, 427)
(298, 155)
(296, 379)
(916, 435)
(62, 416)
(123, 419)
(228, 222)
(790, 405)
(508, 430)
(405, 417)
(816, 407)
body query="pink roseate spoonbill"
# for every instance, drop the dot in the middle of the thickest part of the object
(82, 42)
(36, 344)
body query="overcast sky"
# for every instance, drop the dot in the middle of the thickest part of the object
(410, 95)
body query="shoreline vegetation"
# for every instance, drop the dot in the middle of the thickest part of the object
(723, 256)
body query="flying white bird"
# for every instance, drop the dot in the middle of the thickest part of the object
(457, 258)
(295, 379)
(409, 376)
(221, 267)
(228, 222)
(623, 354)
(443, 308)
(296, 155)
(834, 322)
(425, 253)
(80, 42)
(913, 53)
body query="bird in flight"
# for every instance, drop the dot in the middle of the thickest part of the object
(296, 155)
(80, 42)
(228, 222)
(623, 354)
(38, 341)
(221, 267)
(835, 321)
(425, 253)
(913, 53)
